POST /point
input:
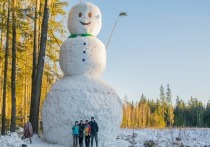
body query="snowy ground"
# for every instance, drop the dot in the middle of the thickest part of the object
(191, 137)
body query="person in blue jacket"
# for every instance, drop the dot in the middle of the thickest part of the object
(75, 130)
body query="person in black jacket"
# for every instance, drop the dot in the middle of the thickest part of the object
(81, 133)
(94, 131)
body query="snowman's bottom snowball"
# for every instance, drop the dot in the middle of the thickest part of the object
(78, 98)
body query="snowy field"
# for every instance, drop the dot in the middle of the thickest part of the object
(191, 137)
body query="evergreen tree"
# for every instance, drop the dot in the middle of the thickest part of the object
(180, 114)
(3, 126)
(163, 111)
(13, 74)
(124, 119)
(207, 115)
(169, 109)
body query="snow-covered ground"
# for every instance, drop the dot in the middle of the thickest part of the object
(192, 137)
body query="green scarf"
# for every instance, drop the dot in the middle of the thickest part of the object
(81, 35)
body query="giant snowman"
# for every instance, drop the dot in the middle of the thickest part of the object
(81, 93)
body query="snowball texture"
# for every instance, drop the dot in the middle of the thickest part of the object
(80, 94)
(84, 18)
(78, 98)
(83, 55)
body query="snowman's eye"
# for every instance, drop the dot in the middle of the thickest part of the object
(80, 14)
(97, 17)
(90, 14)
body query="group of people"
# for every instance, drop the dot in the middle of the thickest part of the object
(87, 130)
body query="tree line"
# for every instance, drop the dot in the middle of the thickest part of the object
(161, 113)
(30, 36)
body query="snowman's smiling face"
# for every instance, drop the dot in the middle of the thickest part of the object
(89, 15)
(84, 18)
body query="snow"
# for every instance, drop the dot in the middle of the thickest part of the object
(167, 137)
(198, 137)
(75, 50)
(75, 98)
(90, 13)
(11, 140)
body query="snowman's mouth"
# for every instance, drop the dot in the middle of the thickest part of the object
(83, 23)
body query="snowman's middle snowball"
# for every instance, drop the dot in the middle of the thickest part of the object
(83, 56)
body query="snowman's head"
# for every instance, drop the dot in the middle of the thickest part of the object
(84, 18)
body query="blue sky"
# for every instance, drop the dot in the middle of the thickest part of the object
(159, 42)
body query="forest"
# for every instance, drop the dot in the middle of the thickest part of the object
(31, 32)
(161, 113)
(29, 50)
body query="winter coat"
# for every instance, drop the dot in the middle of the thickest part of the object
(94, 127)
(81, 130)
(87, 130)
(75, 130)
(28, 130)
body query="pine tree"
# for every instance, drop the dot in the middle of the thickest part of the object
(169, 109)
(3, 126)
(207, 115)
(124, 120)
(163, 111)
(35, 52)
(40, 67)
(180, 113)
(13, 75)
